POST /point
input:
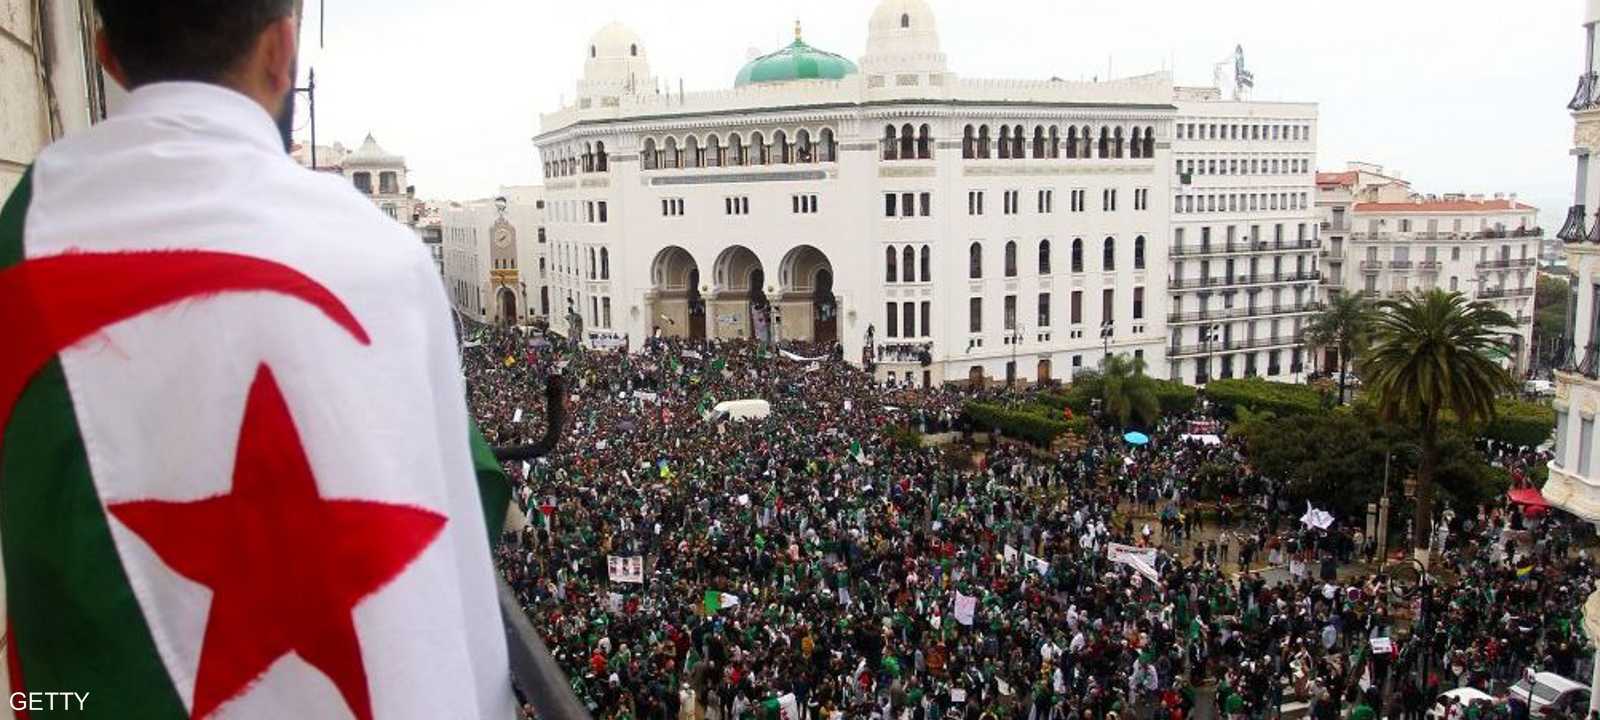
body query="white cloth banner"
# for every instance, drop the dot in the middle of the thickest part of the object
(1011, 555)
(1143, 568)
(649, 397)
(1382, 646)
(1033, 563)
(1203, 439)
(1319, 519)
(693, 354)
(516, 417)
(792, 356)
(614, 602)
(1119, 553)
(966, 605)
(625, 569)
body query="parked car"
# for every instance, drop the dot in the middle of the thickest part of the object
(1551, 692)
(1539, 388)
(1462, 696)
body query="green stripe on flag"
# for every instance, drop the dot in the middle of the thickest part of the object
(494, 488)
(76, 625)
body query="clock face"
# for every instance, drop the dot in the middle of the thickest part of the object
(502, 238)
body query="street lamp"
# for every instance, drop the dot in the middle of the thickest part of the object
(1208, 334)
(1107, 330)
(1016, 339)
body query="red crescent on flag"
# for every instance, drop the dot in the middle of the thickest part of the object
(49, 304)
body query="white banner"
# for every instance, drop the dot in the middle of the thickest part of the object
(1119, 553)
(629, 569)
(648, 397)
(693, 354)
(1011, 555)
(606, 340)
(1382, 646)
(965, 607)
(516, 417)
(797, 358)
(1033, 563)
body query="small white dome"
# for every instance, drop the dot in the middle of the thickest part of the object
(615, 40)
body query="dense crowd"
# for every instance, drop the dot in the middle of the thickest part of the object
(816, 563)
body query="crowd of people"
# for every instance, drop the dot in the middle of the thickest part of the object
(820, 562)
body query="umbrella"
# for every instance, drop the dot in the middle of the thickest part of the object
(1136, 438)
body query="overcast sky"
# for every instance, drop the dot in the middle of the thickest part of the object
(1457, 95)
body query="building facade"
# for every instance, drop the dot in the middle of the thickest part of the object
(50, 81)
(494, 259)
(1574, 481)
(1244, 275)
(943, 227)
(1384, 240)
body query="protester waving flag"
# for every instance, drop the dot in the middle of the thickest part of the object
(236, 476)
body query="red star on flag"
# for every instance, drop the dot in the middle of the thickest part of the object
(286, 566)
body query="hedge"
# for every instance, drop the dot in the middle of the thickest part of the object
(1281, 399)
(1520, 422)
(1018, 423)
(1175, 397)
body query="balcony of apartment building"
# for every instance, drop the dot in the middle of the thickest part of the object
(1575, 229)
(1235, 345)
(1244, 280)
(1507, 263)
(1245, 247)
(1587, 96)
(1429, 266)
(1336, 225)
(1499, 293)
(1248, 311)
(1333, 279)
(1372, 266)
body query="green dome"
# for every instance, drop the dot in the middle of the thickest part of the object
(799, 61)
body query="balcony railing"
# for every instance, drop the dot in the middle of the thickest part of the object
(1496, 293)
(1338, 227)
(1586, 96)
(1506, 263)
(1400, 265)
(1429, 265)
(1197, 283)
(1573, 229)
(1244, 312)
(1246, 246)
(1236, 344)
(1589, 367)
(1371, 265)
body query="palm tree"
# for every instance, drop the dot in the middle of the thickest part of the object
(1343, 325)
(1126, 392)
(1432, 352)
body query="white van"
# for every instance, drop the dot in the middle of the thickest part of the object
(1551, 692)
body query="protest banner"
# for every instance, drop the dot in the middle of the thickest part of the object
(625, 569)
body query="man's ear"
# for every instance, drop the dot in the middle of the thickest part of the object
(108, 59)
(277, 48)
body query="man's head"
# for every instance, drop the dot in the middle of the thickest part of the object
(247, 45)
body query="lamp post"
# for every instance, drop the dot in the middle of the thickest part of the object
(1107, 330)
(1208, 334)
(1016, 339)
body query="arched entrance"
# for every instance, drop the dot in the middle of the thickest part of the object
(739, 307)
(508, 306)
(975, 376)
(679, 310)
(1044, 371)
(810, 308)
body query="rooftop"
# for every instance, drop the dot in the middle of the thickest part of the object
(1455, 206)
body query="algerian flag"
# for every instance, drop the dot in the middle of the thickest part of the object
(235, 468)
(715, 601)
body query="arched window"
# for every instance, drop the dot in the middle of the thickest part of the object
(633, 50)
(1019, 141)
(1138, 253)
(592, 264)
(1086, 151)
(758, 149)
(714, 156)
(908, 142)
(891, 264)
(1117, 146)
(1044, 257)
(905, 20)
(1135, 148)
(736, 152)
(983, 142)
(1038, 142)
(924, 143)
(673, 156)
(969, 144)
(1077, 255)
(1072, 142)
(780, 140)
(1149, 142)
(1105, 142)
(826, 151)
(1005, 143)
(804, 153)
(1011, 258)
(927, 264)
(908, 265)
(692, 152)
(652, 158)
(605, 264)
(975, 261)
(889, 145)
(588, 157)
(601, 163)
(1055, 142)
(1108, 259)
(594, 51)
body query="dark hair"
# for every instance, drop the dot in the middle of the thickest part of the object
(197, 40)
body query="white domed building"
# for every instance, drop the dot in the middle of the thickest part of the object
(1007, 228)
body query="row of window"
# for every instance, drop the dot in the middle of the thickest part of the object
(1240, 202)
(388, 182)
(900, 320)
(1045, 201)
(907, 204)
(1231, 232)
(1250, 166)
(595, 211)
(566, 262)
(1235, 131)
(1108, 257)
(735, 152)
(897, 271)
(1013, 142)
(569, 161)
(1108, 303)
